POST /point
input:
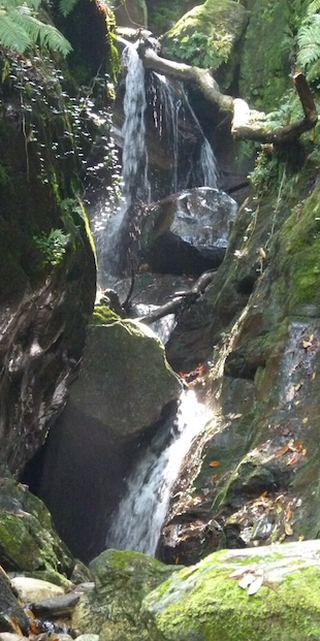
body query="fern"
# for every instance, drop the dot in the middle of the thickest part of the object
(308, 38)
(20, 28)
(66, 6)
(313, 7)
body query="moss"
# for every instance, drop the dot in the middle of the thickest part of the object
(206, 35)
(299, 260)
(212, 606)
(264, 76)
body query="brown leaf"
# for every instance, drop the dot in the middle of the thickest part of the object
(288, 529)
(214, 463)
(296, 456)
(281, 451)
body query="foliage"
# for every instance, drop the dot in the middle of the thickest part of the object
(52, 246)
(164, 13)
(308, 39)
(203, 50)
(21, 29)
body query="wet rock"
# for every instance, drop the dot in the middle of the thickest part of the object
(11, 612)
(185, 233)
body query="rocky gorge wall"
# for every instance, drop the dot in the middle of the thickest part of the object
(253, 476)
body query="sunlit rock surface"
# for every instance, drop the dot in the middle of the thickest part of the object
(185, 233)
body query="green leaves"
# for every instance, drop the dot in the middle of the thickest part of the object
(20, 28)
(308, 38)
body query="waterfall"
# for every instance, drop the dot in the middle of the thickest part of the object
(171, 110)
(137, 522)
(142, 511)
(134, 154)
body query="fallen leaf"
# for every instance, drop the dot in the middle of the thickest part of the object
(255, 586)
(288, 529)
(313, 376)
(301, 537)
(14, 624)
(214, 463)
(213, 477)
(246, 580)
(281, 451)
(296, 456)
(305, 420)
(282, 538)
(237, 573)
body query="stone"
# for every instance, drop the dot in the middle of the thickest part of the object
(265, 593)
(112, 610)
(206, 36)
(30, 589)
(125, 381)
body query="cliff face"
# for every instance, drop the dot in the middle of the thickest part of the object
(47, 264)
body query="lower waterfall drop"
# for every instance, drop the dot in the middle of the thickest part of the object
(141, 513)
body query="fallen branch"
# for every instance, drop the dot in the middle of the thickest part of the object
(247, 123)
(180, 300)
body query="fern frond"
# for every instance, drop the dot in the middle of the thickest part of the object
(20, 28)
(66, 6)
(313, 7)
(12, 35)
(51, 37)
(308, 38)
(47, 35)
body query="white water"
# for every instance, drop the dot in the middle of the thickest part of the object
(142, 511)
(134, 154)
(173, 104)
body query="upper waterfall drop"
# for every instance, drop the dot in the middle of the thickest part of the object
(134, 154)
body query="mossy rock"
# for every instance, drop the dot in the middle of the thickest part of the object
(125, 381)
(112, 610)
(204, 602)
(206, 35)
(28, 541)
(265, 67)
(299, 258)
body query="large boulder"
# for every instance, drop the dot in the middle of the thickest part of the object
(207, 35)
(268, 593)
(112, 609)
(125, 381)
(185, 233)
(125, 389)
(47, 264)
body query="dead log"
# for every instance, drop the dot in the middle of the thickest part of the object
(180, 300)
(247, 124)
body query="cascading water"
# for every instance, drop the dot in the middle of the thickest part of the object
(134, 155)
(171, 110)
(142, 511)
